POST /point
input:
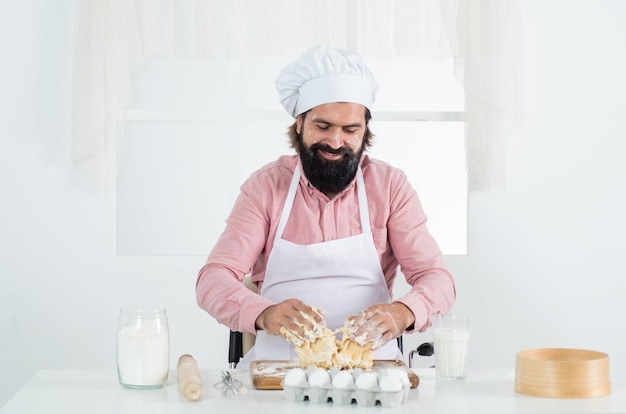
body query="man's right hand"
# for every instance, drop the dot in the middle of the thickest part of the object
(292, 314)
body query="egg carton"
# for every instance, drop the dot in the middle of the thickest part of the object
(318, 395)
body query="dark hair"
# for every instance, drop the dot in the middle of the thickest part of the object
(367, 136)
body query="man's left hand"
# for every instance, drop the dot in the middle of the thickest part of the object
(379, 324)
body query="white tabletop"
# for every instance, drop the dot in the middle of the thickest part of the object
(97, 391)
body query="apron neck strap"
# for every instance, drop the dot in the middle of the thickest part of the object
(291, 195)
(363, 206)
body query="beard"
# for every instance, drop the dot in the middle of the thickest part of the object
(326, 175)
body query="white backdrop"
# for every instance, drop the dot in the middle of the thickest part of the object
(545, 261)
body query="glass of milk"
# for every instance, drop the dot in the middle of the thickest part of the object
(451, 335)
(143, 347)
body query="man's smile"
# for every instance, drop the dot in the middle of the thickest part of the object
(330, 155)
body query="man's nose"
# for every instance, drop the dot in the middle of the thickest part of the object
(336, 139)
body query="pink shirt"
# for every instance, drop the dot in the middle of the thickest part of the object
(398, 225)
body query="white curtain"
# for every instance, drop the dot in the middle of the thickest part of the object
(484, 37)
(114, 36)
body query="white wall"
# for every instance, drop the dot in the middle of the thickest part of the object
(545, 264)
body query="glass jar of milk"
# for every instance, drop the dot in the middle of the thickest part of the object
(143, 347)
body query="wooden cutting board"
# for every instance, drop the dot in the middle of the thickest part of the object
(268, 375)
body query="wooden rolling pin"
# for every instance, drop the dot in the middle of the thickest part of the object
(189, 380)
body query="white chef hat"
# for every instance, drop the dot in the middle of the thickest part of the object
(324, 75)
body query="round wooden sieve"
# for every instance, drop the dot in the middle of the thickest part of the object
(562, 373)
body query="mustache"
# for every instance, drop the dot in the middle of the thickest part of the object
(330, 150)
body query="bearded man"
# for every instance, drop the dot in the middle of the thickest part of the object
(327, 228)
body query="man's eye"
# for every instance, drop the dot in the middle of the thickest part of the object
(351, 131)
(323, 127)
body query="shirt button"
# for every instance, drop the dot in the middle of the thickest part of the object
(327, 206)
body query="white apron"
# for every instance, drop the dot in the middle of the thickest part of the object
(341, 277)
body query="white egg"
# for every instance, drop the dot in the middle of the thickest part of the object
(296, 377)
(401, 374)
(319, 378)
(390, 383)
(343, 380)
(367, 381)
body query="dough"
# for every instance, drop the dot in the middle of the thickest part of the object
(320, 348)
